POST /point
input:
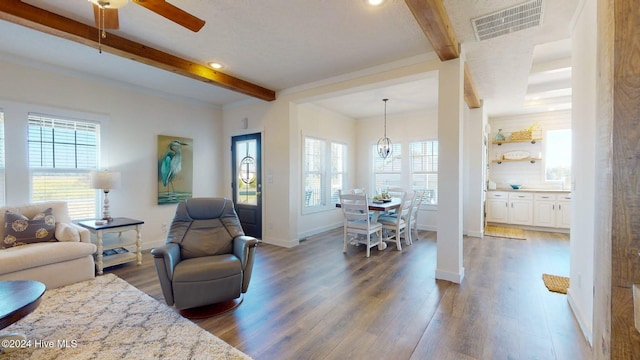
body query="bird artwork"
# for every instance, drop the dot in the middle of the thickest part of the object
(169, 166)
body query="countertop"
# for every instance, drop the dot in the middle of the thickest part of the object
(559, 191)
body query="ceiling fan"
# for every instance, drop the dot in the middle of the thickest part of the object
(106, 13)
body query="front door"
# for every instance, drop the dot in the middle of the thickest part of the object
(247, 182)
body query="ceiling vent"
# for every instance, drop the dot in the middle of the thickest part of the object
(509, 20)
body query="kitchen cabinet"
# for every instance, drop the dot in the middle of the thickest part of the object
(520, 208)
(552, 210)
(498, 206)
(510, 207)
(536, 208)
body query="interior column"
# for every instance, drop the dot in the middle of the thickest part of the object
(450, 134)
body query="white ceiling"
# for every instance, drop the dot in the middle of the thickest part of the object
(280, 44)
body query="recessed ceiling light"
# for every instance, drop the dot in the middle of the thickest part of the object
(216, 65)
(375, 2)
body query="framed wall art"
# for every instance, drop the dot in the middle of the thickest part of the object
(175, 169)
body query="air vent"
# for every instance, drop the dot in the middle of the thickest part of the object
(509, 20)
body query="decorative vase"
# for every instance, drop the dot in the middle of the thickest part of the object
(499, 136)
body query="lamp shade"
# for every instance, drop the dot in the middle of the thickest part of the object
(105, 180)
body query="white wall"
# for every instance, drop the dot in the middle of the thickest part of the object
(131, 121)
(401, 128)
(525, 173)
(279, 220)
(583, 214)
(330, 126)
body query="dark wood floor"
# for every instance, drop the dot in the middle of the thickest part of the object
(314, 302)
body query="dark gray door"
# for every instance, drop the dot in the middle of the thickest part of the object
(247, 182)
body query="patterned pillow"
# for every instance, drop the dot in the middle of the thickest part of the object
(19, 230)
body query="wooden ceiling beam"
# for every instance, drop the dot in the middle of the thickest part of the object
(470, 93)
(434, 21)
(20, 13)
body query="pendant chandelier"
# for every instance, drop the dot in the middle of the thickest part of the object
(384, 144)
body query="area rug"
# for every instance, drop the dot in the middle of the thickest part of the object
(107, 318)
(555, 283)
(504, 232)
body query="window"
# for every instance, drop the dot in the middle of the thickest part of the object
(387, 172)
(338, 170)
(62, 153)
(420, 172)
(313, 166)
(557, 163)
(424, 169)
(2, 165)
(320, 188)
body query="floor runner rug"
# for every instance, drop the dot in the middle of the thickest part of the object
(504, 232)
(555, 283)
(107, 318)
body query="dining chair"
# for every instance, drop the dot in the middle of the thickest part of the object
(357, 224)
(413, 215)
(395, 224)
(395, 192)
(407, 217)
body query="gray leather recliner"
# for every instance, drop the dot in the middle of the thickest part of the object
(207, 258)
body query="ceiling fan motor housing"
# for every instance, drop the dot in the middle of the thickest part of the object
(110, 4)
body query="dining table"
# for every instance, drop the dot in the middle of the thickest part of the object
(381, 206)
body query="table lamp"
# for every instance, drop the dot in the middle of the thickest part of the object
(105, 180)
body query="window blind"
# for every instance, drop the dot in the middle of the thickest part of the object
(62, 153)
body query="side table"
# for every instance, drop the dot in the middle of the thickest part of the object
(117, 225)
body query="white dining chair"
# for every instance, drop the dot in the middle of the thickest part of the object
(394, 225)
(408, 238)
(413, 215)
(355, 208)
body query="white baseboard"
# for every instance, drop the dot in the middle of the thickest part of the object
(319, 230)
(477, 234)
(577, 313)
(450, 276)
(427, 228)
(282, 243)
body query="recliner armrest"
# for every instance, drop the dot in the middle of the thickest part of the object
(242, 246)
(170, 253)
(166, 258)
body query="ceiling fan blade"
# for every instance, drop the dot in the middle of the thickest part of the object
(177, 15)
(110, 18)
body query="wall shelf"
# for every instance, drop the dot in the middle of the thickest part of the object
(531, 160)
(500, 142)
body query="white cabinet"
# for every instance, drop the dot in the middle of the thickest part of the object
(498, 206)
(544, 210)
(563, 215)
(510, 207)
(552, 210)
(520, 208)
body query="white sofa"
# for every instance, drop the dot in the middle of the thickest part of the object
(55, 263)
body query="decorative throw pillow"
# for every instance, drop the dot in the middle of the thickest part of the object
(66, 232)
(19, 230)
